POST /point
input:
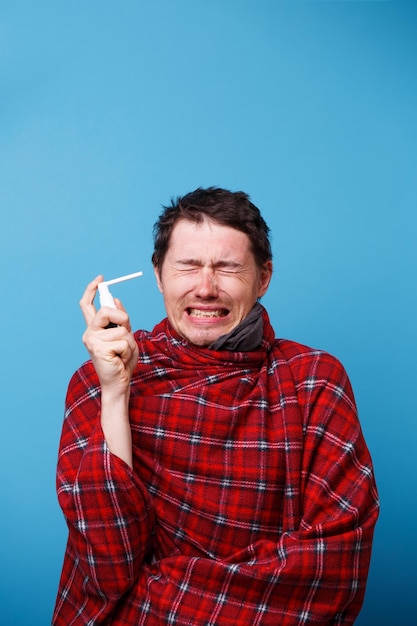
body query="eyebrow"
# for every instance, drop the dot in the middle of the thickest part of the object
(217, 264)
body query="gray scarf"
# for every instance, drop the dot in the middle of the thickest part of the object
(246, 336)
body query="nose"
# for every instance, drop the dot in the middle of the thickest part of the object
(207, 284)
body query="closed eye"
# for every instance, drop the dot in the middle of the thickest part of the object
(222, 266)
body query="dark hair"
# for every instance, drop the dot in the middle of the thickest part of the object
(220, 205)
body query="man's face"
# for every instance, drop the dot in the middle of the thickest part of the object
(209, 280)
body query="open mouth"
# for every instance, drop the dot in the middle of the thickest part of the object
(207, 313)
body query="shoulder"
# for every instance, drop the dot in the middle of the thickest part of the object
(323, 389)
(298, 353)
(310, 365)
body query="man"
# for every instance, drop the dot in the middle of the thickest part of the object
(209, 472)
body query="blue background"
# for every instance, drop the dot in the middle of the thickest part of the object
(110, 108)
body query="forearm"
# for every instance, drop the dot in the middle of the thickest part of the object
(116, 425)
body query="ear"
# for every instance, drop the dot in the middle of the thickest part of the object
(158, 278)
(264, 278)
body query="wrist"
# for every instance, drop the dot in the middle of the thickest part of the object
(115, 399)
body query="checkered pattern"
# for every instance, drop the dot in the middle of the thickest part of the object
(252, 500)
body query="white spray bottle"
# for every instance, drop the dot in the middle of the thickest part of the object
(105, 297)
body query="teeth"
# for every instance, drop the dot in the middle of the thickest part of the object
(201, 313)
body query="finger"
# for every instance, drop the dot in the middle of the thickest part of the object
(119, 333)
(120, 350)
(86, 303)
(100, 339)
(126, 321)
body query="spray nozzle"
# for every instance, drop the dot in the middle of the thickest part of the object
(106, 299)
